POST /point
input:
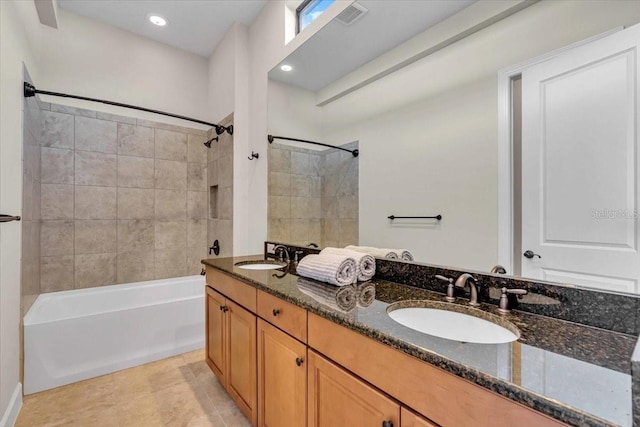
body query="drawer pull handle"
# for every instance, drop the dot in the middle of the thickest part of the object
(275, 311)
(387, 424)
(224, 308)
(300, 361)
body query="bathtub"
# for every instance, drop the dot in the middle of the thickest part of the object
(74, 335)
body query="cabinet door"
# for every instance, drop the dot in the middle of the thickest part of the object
(337, 398)
(215, 333)
(241, 359)
(282, 378)
(409, 419)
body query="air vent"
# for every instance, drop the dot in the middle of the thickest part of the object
(351, 13)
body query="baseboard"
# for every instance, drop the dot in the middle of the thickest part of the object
(10, 416)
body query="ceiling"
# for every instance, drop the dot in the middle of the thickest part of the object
(338, 49)
(193, 25)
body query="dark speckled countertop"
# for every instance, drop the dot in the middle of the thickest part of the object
(578, 374)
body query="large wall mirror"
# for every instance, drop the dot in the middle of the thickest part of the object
(516, 126)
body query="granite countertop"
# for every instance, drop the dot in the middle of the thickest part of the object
(577, 374)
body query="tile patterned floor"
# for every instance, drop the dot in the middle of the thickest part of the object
(180, 391)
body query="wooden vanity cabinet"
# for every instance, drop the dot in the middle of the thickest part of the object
(337, 398)
(409, 419)
(282, 378)
(231, 350)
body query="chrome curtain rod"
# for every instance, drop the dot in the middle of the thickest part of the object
(30, 90)
(270, 138)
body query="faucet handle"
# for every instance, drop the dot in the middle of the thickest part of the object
(504, 298)
(451, 290)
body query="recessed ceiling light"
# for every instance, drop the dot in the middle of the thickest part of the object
(286, 67)
(157, 20)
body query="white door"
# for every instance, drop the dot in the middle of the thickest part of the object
(581, 167)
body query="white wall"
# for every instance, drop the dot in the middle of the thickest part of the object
(86, 57)
(15, 51)
(428, 132)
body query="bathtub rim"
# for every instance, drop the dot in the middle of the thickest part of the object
(28, 319)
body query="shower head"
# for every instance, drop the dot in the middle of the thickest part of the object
(208, 143)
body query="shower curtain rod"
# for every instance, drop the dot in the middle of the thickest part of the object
(270, 138)
(30, 90)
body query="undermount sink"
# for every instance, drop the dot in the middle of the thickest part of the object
(453, 322)
(260, 265)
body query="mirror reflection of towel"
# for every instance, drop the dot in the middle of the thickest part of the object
(366, 294)
(341, 298)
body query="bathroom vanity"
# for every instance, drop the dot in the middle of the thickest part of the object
(289, 357)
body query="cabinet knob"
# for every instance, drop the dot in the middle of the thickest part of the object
(300, 361)
(224, 308)
(275, 311)
(387, 424)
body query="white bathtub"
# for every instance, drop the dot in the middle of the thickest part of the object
(74, 335)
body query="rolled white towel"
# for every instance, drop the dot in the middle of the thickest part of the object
(376, 252)
(335, 269)
(366, 263)
(406, 256)
(343, 298)
(366, 294)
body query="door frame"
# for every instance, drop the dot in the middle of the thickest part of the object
(505, 145)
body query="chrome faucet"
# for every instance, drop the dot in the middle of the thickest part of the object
(498, 269)
(284, 250)
(462, 281)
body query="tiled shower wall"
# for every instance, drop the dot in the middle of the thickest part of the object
(220, 187)
(313, 196)
(123, 199)
(30, 257)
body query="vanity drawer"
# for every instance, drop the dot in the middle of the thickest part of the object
(286, 316)
(233, 289)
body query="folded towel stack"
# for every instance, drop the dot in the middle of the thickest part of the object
(365, 263)
(343, 298)
(335, 269)
(402, 254)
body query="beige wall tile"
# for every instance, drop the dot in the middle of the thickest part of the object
(212, 173)
(95, 202)
(56, 238)
(170, 145)
(315, 186)
(279, 160)
(197, 204)
(58, 130)
(96, 135)
(95, 236)
(135, 141)
(300, 230)
(135, 203)
(225, 171)
(196, 151)
(95, 169)
(135, 172)
(225, 203)
(279, 207)
(279, 229)
(348, 232)
(300, 207)
(197, 233)
(57, 201)
(279, 184)
(197, 176)
(315, 231)
(170, 204)
(170, 263)
(170, 235)
(299, 163)
(59, 108)
(347, 207)
(170, 175)
(56, 273)
(94, 270)
(57, 166)
(329, 207)
(135, 235)
(300, 186)
(115, 118)
(224, 230)
(331, 230)
(194, 257)
(135, 266)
